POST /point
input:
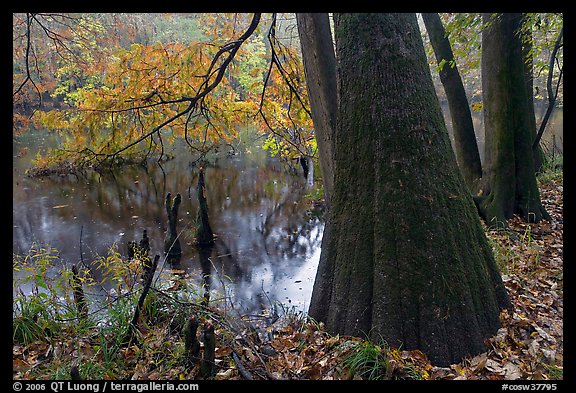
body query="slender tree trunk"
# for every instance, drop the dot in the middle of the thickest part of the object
(404, 257)
(320, 70)
(509, 183)
(528, 62)
(551, 94)
(466, 148)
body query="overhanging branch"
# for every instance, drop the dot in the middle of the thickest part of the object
(213, 77)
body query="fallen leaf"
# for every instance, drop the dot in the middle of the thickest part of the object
(493, 366)
(512, 371)
(221, 352)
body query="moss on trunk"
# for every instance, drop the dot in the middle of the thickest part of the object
(509, 183)
(404, 257)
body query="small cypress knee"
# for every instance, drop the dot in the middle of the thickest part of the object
(191, 343)
(207, 366)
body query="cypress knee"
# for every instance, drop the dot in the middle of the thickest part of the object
(204, 235)
(171, 243)
(207, 366)
(191, 343)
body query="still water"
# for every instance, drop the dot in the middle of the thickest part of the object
(268, 242)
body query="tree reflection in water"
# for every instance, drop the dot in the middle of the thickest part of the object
(266, 239)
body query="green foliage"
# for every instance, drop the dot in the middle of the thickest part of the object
(444, 63)
(465, 34)
(552, 169)
(37, 313)
(177, 28)
(44, 309)
(251, 67)
(369, 360)
(377, 361)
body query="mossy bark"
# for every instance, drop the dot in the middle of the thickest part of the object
(404, 257)
(465, 146)
(527, 44)
(509, 182)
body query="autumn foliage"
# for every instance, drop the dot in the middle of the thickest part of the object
(138, 100)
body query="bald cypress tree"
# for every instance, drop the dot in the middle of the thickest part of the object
(404, 257)
(509, 182)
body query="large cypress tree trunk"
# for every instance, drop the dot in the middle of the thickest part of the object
(320, 69)
(404, 257)
(509, 183)
(466, 148)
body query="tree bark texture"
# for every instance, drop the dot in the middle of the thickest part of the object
(404, 257)
(466, 147)
(509, 184)
(320, 70)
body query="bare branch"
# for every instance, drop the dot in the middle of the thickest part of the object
(275, 61)
(551, 94)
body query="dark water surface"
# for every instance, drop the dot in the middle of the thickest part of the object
(268, 242)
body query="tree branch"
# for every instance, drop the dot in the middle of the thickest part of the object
(205, 88)
(551, 95)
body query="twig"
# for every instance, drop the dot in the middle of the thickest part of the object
(132, 327)
(241, 369)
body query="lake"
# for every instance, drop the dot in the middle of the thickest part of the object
(268, 242)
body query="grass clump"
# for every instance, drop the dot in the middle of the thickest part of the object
(372, 361)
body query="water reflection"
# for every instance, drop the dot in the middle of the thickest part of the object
(265, 240)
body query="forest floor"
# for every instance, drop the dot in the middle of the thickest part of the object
(528, 346)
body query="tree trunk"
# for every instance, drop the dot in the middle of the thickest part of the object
(466, 148)
(404, 257)
(528, 62)
(509, 183)
(320, 70)
(551, 94)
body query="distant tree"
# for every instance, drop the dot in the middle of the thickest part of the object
(320, 68)
(509, 183)
(466, 147)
